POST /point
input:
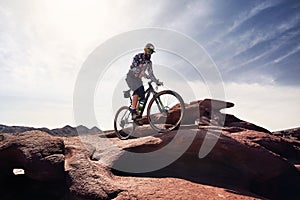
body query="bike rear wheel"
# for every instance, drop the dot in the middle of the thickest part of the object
(165, 111)
(123, 124)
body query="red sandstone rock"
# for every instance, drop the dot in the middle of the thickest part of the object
(38, 153)
(41, 156)
(237, 160)
(208, 112)
(247, 162)
(86, 179)
(293, 133)
(244, 162)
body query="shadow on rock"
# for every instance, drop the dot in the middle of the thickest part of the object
(235, 164)
(41, 158)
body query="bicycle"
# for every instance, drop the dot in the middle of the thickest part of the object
(164, 112)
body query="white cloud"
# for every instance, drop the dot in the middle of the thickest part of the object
(274, 108)
(190, 14)
(246, 15)
(241, 45)
(242, 17)
(44, 43)
(293, 51)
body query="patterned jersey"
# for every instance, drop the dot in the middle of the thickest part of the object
(142, 63)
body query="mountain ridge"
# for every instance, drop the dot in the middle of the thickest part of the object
(67, 130)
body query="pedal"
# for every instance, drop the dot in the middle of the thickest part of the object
(139, 122)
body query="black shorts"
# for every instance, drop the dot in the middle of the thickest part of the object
(136, 85)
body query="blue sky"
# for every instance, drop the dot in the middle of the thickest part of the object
(255, 45)
(265, 41)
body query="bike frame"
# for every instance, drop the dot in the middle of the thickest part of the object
(149, 91)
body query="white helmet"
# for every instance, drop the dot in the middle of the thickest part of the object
(150, 47)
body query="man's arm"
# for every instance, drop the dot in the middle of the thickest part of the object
(150, 72)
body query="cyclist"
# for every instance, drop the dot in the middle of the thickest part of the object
(141, 63)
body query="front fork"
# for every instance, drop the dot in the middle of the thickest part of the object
(161, 106)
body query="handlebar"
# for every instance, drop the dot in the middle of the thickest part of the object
(157, 84)
(151, 81)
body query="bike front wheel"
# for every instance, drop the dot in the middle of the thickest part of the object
(123, 124)
(165, 111)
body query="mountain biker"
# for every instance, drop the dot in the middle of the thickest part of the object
(141, 63)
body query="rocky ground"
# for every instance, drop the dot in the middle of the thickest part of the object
(293, 133)
(246, 162)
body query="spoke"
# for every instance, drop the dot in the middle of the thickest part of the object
(124, 126)
(165, 120)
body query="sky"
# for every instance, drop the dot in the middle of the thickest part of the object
(43, 45)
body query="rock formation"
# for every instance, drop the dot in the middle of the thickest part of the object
(207, 112)
(41, 156)
(246, 162)
(293, 133)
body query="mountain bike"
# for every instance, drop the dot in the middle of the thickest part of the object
(164, 112)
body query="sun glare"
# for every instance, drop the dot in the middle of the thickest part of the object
(74, 20)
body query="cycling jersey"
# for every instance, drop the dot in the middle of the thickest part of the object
(142, 63)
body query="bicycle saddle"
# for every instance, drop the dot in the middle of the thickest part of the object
(126, 93)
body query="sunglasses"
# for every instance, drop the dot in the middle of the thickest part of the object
(151, 51)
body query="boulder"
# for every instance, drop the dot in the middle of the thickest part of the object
(41, 157)
(52, 170)
(86, 179)
(38, 153)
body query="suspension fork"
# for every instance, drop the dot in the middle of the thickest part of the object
(160, 104)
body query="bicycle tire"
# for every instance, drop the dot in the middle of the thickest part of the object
(121, 121)
(156, 120)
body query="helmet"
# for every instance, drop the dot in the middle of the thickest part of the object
(150, 47)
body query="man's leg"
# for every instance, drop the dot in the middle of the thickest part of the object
(135, 98)
(139, 92)
(141, 96)
(134, 106)
(135, 85)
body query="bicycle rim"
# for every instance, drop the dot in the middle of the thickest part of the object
(123, 124)
(165, 111)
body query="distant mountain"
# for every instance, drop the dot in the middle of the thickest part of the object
(83, 129)
(64, 131)
(20, 129)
